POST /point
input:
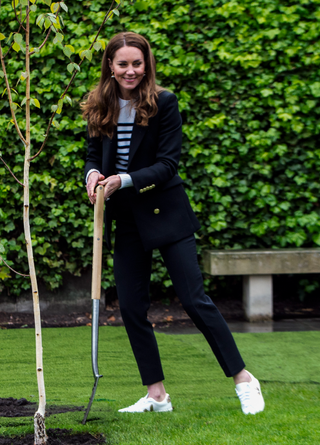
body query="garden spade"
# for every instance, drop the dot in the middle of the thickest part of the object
(96, 289)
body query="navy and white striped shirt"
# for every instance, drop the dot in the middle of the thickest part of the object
(124, 133)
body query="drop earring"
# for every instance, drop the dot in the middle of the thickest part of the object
(112, 74)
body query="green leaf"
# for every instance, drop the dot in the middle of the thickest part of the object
(23, 101)
(47, 2)
(33, 8)
(38, 221)
(40, 20)
(15, 106)
(97, 46)
(16, 47)
(64, 6)
(54, 108)
(116, 12)
(89, 54)
(9, 227)
(58, 38)
(70, 67)
(56, 124)
(71, 48)
(2, 37)
(1, 74)
(103, 43)
(86, 53)
(315, 89)
(68, 98)
(68, 50)
(47, 23)
(141, 5)
(4, 273)
(316, 239)
(54, 7)
(23, 75)
(60, 106)
(36, 103)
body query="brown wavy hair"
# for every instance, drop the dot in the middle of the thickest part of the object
(101, 106)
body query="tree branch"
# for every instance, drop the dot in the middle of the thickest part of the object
(17, 18)
(20, 25)
(106, 17)
(18, 273)
(104, 21)
(5, 55)
(43, 43)
(10, 98)
(11, 172)
(47, 36)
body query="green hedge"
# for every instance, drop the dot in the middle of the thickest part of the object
(247, 75)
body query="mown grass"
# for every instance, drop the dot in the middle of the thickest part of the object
(207, 410)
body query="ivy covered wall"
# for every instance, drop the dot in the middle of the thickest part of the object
(247, 76)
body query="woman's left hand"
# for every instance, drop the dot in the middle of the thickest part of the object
(112, 183)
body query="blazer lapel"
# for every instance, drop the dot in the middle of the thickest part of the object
(136, 138)
(109, 154)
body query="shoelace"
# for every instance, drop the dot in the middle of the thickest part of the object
(244, 397)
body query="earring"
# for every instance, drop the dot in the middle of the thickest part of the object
(144, 74)
(112, 74)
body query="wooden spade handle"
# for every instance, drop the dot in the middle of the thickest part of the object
(97, 244)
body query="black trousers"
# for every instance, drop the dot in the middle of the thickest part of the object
(132, 269)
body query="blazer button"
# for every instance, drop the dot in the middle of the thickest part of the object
(141, 190)
(156, 211)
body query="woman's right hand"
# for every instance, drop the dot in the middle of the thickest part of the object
(93, 180)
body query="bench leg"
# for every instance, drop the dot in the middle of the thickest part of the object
(257, 297)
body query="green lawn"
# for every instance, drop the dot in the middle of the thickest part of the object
(207, 410)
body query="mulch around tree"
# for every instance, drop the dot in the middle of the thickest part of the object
(57, 436)
(11, 407)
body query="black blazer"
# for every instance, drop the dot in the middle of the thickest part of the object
(160, 206)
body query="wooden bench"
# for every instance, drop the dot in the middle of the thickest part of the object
(257, 268)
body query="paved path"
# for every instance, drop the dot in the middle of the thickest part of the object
(307, 324)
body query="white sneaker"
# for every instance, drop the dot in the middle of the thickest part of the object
(250, 396)
(148, 404)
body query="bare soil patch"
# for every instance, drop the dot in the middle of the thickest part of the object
(162, 314)
(57, 436)
(11, 407)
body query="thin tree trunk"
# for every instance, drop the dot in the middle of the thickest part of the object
(40, 436)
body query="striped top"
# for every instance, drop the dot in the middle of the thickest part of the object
(124, 133)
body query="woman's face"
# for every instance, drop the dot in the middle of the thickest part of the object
(129, 66)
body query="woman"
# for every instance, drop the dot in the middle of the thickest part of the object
(134, 145)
